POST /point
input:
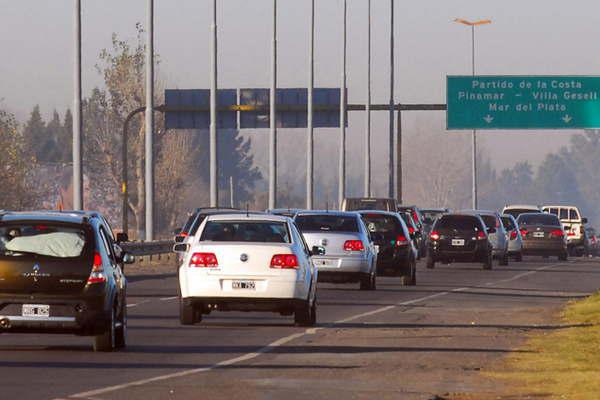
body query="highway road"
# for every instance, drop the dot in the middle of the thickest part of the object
(397, 342)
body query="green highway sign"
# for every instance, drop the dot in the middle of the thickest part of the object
(523, 102)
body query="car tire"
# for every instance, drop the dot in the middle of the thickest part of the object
(369, 282)
(563, 257)
(121, 331)
(306, 315)
(430, 262)
(410, 279)
(487, 264)
(504, 259)
(105, 342)
(187, 313)
(519, 257)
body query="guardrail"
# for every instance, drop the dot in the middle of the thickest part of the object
(148, 248)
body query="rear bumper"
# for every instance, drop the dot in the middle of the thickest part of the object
(79, 316)
(543, 248)
(208, 304)
(478, 255)
(342, 265)
(341, 276)
(398, 263)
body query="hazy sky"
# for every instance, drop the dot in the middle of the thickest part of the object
(526, 37)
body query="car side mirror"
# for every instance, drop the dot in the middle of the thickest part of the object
(181, 247)
(317, 251)
(584, 220)
(128, 258)
(491, 230)
(122, 237)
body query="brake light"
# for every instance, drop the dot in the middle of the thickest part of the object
(557, 233)
(354, 245)
(411, 230)
(481, 235)
(204, 260)
(524, 232)
(571, 233)
(97, 274)
(434, 236)
(401, 240)
(513, 235)
(184, 234)
(284, 261)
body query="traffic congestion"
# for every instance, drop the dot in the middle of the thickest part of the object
(64, 271)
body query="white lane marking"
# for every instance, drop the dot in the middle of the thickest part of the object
(519, 276)
(279, 342)
(137, 304)
(169, 298)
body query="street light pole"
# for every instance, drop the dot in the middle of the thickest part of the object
(309, 119)
(273, 116)
(472, 25)
(367, 192)
(214, 173)
(149, 139)
(391, 133)
(343, 101)
(77, 120)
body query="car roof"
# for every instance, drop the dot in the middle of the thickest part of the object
(543, 213)
(559, 206)
(461, 214)
(50, 216)
(524, 206)
(251, 216)
(333, 212)
(479, 212)
(445, 210)
(382, 212)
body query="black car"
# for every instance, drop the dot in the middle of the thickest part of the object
(543, 235)
(60, 273)
(429, 217)
(196, 218)
(414, 232)
(397, 254)
(460, 238)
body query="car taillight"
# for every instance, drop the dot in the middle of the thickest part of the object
(401, 240)
(415, 217)
(481, 235)
(354, 245)
(411, 230)
(184, 234)
(284, 261)
(557, 233)
(434, 236)
(513, 235)
(97, 274)
(571, 233)
(524, 232)
(204, 260)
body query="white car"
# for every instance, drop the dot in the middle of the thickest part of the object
(348, 253)
(573, 222)
(247, 262)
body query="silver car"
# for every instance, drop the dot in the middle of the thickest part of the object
(496, 234)
(513, 234)
(347, 253)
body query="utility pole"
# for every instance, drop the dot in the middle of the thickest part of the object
(343, 101)
(367, 192)
(214, 172)
(149, 140)
(273, 116)
(311, 83)
(391, 133)
(77, 121)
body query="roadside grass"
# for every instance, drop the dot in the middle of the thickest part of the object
(561, 364)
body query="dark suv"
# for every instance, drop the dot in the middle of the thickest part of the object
(460, 238)
(61, 272)
(397, 254)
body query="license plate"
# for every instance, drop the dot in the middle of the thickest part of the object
(244, 285)
(538, 234)
(35, 310)
(458, 242)
(325, 263)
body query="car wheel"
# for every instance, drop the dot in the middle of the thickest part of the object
(504, 259)
(487, 264)
(519, 257)
(563, 257)
(187, 313)
(106, 341)
(430, 263)
(369, 282)
(306, 315)
(121, 331)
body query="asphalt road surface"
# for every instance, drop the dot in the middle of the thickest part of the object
(397, 342)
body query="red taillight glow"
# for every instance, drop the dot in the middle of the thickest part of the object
(434, 236)
(411, 230)
(401, 240)
(524, 232)
(513, 235)
(557, 233)
(284, 261)
(97, 274)
(354, 245)
(481, 235)
(204, 260)
(571, 233)
(184, 234)
(415, 217)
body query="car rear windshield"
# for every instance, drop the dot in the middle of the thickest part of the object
(459, 222)
(431, 215)
(369, 204)
(245, 231)
(490, 221)
(538, 219)
(188, 224)
(48, 240)
(515, 212)
(508, 223)
(385, 224)
(328, 223)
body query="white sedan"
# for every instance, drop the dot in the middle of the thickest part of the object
(248, 262)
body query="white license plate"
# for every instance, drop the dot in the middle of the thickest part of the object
(458, 242)
(35, 310)
(538, 234)
(325, 263)
(243, 285)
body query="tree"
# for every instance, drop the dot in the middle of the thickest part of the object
(34, 133)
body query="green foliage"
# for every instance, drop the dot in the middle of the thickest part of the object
(49, 142)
